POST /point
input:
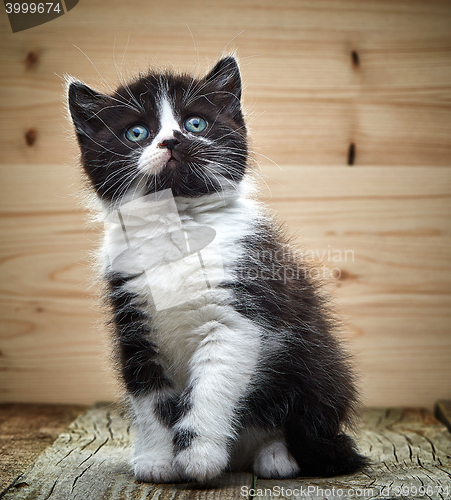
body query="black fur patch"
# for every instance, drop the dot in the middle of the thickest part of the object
(305, 384)
(173, 409)
(140, 371)
(183, 439)
(168, 411)
(322, 453)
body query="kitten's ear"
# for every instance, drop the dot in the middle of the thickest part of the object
(85, 104)
(226, 76)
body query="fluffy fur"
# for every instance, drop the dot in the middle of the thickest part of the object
(248, 374)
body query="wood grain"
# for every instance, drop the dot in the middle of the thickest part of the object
(26, 430)
(409, 450)
(394, 288)
(90, 460)
(52, 336)
(306, 98)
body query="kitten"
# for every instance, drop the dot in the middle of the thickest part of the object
(225, 344)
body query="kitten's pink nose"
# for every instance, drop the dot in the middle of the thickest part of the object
(169, 143)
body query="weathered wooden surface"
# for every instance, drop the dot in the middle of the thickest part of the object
(410, 449)
(411, 455)
(90, 462)
(26, 430)
(443, 412)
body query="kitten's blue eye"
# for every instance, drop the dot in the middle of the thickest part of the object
(137, 133)
(195, 124)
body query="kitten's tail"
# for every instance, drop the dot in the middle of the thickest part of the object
(319, 455)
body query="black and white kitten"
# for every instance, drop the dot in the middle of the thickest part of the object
(225, 344)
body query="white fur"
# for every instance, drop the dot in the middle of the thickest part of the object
(203, 460)
(273, 460)
(249, 442)
(230, 215)
(265, 452)
(220, 371)
(168, 122)
(154, 157)
(153, 455)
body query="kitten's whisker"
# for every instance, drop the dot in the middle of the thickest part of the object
(117, 173)
(121, 100)
(94, 66)
(215, 174)
(141, 108)
(187, 92)
(267, 158)
(114, 134)
(195, 90)
(236, 36)
(115, 153)
(125, 51)
(195, 98)
(122, 179)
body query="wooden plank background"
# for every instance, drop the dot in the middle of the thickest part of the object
(319, 75)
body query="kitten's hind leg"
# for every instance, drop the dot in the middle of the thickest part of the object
(264, 451)
(274, 461)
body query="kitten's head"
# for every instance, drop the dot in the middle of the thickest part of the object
(163, 131)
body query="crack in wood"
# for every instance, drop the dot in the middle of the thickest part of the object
(108, 425)
(85, 460)
(408, 449)
(65, 456)
(79, 476)
(51, 490)
(394, 453)
(87, 444)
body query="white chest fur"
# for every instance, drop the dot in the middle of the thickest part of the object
(179, 289)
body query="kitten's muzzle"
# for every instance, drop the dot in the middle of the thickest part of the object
(169, 143)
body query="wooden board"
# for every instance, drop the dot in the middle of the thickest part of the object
(54, 346)
(307, 97)
(409, 450)
(394, 290)
(411, 458)
(26, 430)
(318, 76)
(90, 460)
(442, 411)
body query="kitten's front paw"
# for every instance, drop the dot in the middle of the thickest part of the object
(202, 460)
(274, 461)
(151, 471)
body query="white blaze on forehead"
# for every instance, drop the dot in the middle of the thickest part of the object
(154, 158)
(168, 122)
